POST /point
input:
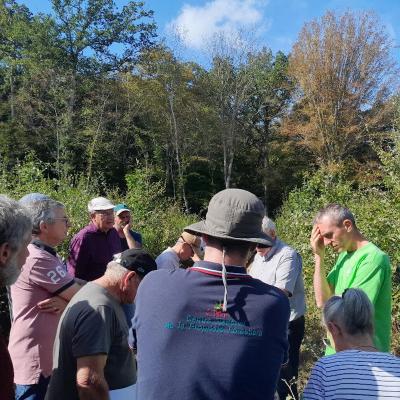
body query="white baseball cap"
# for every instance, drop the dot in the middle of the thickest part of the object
(99, 203)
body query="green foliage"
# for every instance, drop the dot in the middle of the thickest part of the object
(158, 219)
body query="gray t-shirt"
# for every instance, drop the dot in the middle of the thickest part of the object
(282, 267)
(93, 323)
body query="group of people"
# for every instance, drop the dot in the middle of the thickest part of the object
(218, 315)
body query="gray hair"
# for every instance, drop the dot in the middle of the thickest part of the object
(353, 312)
(15, 224)
(115, 270)
(268, 225)
(43, 211)
(336, 212)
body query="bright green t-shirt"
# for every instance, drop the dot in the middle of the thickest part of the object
(367, 268)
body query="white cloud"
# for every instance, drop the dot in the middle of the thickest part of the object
(196, 25)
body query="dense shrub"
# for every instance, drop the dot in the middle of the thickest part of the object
(159, 220)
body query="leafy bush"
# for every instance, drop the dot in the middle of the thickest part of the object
(159, 219)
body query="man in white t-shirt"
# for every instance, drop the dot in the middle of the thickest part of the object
(281, 266)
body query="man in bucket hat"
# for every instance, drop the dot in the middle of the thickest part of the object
(212, 331)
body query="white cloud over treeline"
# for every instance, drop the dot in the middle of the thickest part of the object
(196, 25)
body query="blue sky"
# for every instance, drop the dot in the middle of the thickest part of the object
(273, 23)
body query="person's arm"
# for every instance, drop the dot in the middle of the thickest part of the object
(54, 305)
(69, 292)
(322, 290)
(57, 304)
(288, 271)
(90, 381)
(132, 243)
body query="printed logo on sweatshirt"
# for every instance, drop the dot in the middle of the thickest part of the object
(214, 322)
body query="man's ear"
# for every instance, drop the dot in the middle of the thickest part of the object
(127, 278)
(42, 226)
(348, 225)
(5, 253)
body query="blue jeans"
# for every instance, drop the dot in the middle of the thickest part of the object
(32, 392)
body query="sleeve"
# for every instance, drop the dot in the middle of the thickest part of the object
(137, 236)
(371, 275)
(93, 332)
(50, 276)
(314, 389)
(78, 257)
(288, 271)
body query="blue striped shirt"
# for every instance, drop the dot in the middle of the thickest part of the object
(354, 375)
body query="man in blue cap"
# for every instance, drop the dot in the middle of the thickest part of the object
(123, 224)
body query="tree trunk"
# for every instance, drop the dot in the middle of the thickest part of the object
(176, 142)
(12, 95)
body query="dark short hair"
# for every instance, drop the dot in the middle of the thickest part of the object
(336, 212)
(230, 246)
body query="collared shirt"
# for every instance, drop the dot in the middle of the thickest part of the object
(91, 250)
(168, 259)
(32, 333)
(282, 267)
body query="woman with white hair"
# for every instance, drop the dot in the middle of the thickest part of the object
(358, 370)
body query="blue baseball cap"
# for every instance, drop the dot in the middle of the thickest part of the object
(119, 208)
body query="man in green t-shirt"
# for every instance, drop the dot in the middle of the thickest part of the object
(360, 264)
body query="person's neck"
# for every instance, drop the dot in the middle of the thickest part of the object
(46, 240)
(104, 230)
(362, 342)
(357, 242)
(120, 231)
(215, 255)
(111, 287)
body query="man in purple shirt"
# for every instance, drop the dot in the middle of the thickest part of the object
(93, 247)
